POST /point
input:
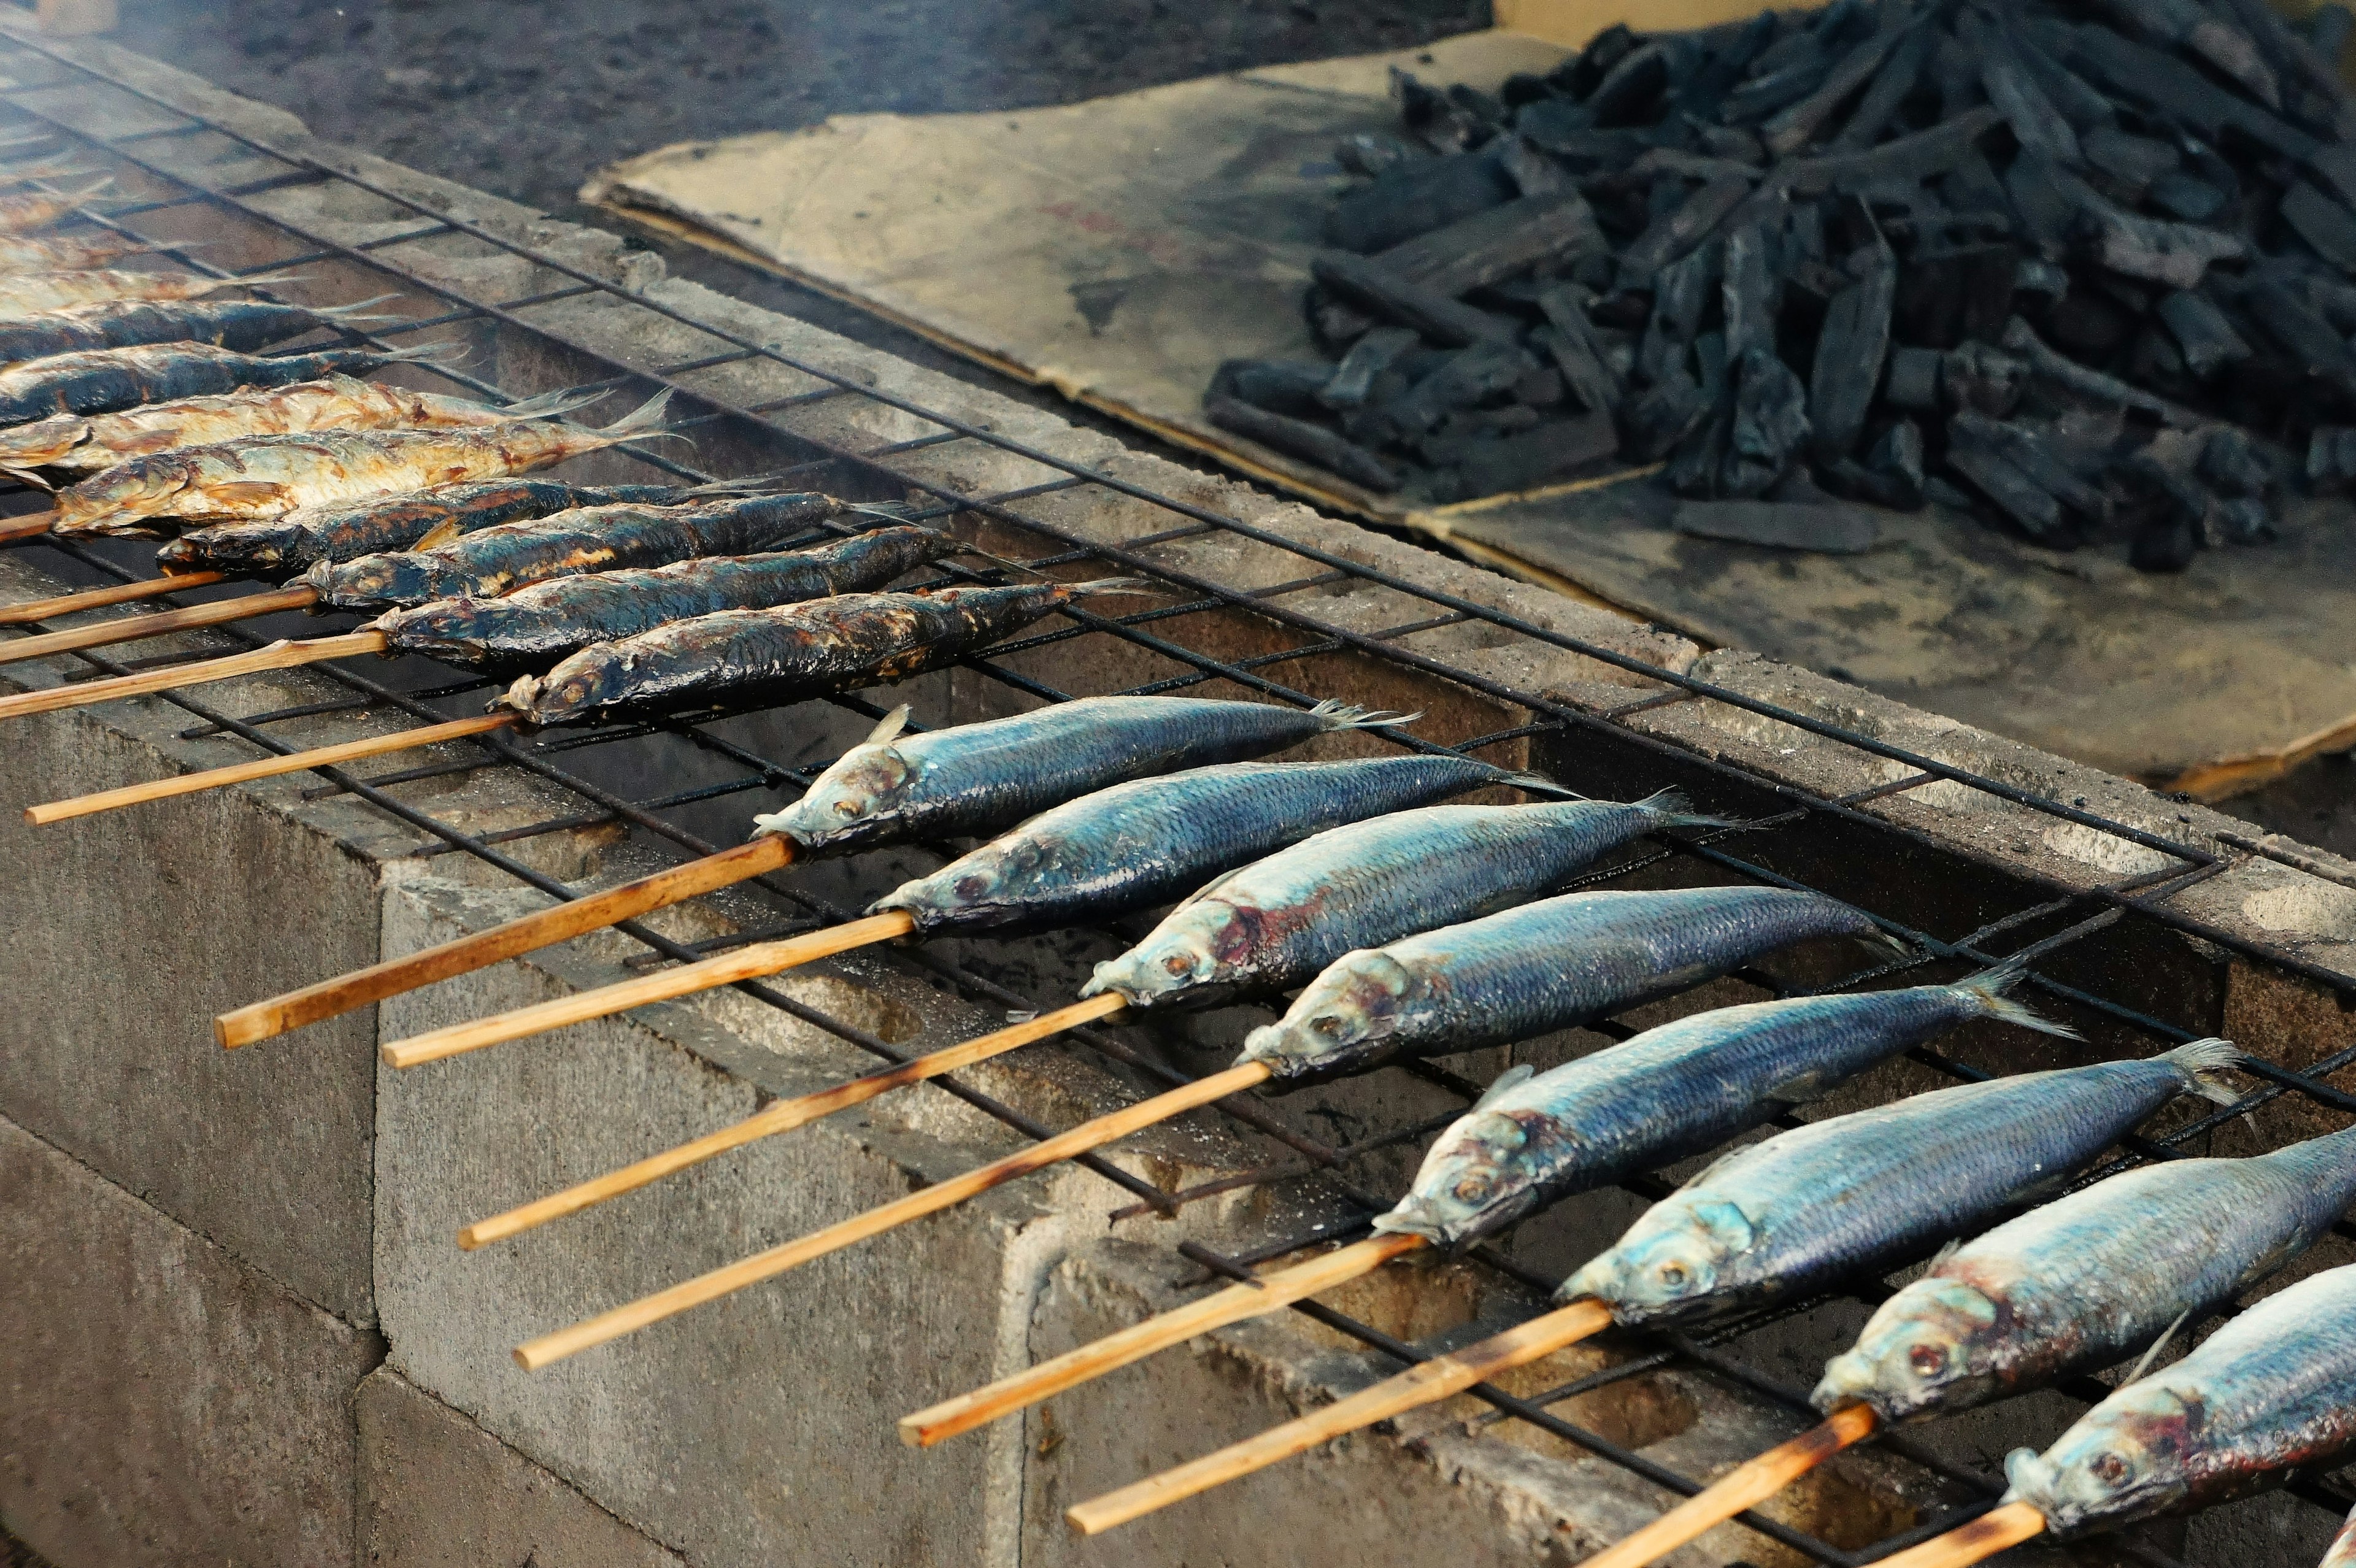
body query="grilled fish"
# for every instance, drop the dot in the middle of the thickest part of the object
(244, 325)
(28, 293)
(493, 561)
(979, 778)
(2272, 1389)
(2090, 1279)
(280, 547)
(1850, 1193)
(536, 627)
(100, 380)
(22, 252)
(1139, 844)
(776, 655)
(1273, 925)
(84, 443)
(1530, 971)
(269, 476)
(1668, 1092)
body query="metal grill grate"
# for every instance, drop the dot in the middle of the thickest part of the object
(2083, 915)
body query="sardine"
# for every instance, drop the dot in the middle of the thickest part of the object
(1670, 1092)
(99, 380)
(1531, 971)
(1273, 925)
(979, 778)
(1851, 1193)
(778, 655)
(21, 253)
(1139, 844)
(244, 325)
(535, 626)
(2342, 1553)
(30, 293)
(269, 476)
(497, 560)
(85, 444)
(2271, 1391)
(280, 547)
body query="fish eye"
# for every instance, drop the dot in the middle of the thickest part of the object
(1178, 964)
(1473, 1188)
(845, 808)
(971, 887)
(1673, 1275)
(1326, 1024)
(2109, 1467)
(1928, 1360)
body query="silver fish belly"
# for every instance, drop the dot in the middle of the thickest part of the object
(1846, 1194)
(2271, 1391)
(2090, 1279)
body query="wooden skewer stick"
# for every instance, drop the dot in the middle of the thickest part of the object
(1974, 1542)
(1248, 1298)
(525, 934)
(277, 656)
(30, 526)
(100, 598)
(720, 1282)
(1745, 1485)
(783, 1116)
(265, 767)
(1419, 1385)
(747, 963)
(135, 628)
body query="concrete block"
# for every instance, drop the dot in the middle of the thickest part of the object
(161, 1403)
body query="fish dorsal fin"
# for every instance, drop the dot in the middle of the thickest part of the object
(887, 729)
(1507, 1082)
(2157, 1347)
(439, 534)
(1955, 1244)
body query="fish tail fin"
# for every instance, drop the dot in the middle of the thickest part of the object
(748, 484)
(351, 313)
(1335, 714)
(555, 404)
(1888, 946)
(1986, 990)
(1673, 809)
(1538, 784)
(2203, 1058)
(644, 420)
(890, 511)
(261, 280)
(1109, 585)
(431, 354)
(29, 475)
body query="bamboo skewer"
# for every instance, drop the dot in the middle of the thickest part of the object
(1432, 1381)
(30, 526)
(783, 1116)
(749, 963)
(277, 656)
(1746, 1486)
(1974, 1542)
(621, 1320)
(264, 767)
(137, 628)
(1250, 1299)
(100, 598)
(526, 934)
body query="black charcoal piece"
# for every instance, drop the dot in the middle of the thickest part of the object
(1694, 466)
(1578, 75)
(1337, 325)
(1983, 379)
(2180, 196)
(1540, 387)
(1475, 252)
(1655, 420)
(2033, 276)
(1850, 349)
(1738, 49)
(1896, 462)
(1522, 87)
(1570, 340)
(1796, 124)
(2172, 89)
(1903, 160)
(1556, 450)
(2178, 255)
(1892, 84)
(2014, 493)
(1680, 297)
(2029, 449)
(2156, 362)
(1279, 386)
(2322, 223)
(2086, 109)
(1445, 121)
(1468, 378)
(1298, 438)
(1677, 232)
(1763, 93)
(2165, 480)
(1746, 293)
(1532, 172)
(1631, 87)
(2089, 323)
(1973, 185)
(1352, 381)
(2233, 464)
(2164, 543)
(2046, 212)
(1770, 423)
(2134, 161)
(1415, 198)
(1954, 73)
(1384, 294)
(2036, 124)
(1913, 380)
(2240, 519)
(1461, 432)
(2328, 30)
(2335, 297)
(1828, 526)
(2330, 457)
(1938, 492)
(1948, 295)
(2204, 334)
(2300, 329)
(1374, 154)
(2067, 375)
(1729, 144)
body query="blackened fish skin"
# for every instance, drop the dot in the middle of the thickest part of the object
(980, 778)
(2090, 1279)
(499, 560)
(776, 655)
(1530, 971)
(1670, 1092)
(1270, 926)
(99, 380)
(240, 324)
(1143, 843)
(280, 547)
(534, 627)
(1850, 1193)
(2273, 1390)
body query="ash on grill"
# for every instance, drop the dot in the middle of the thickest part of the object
(2083, 271)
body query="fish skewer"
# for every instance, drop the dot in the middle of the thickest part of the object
(30, 293)
(106, 381)
(2081, 1284)
(1684, 937)
(1115, 851)
(2271, 1391)
(1263, 929)
(241, 324)
(971, 781)
(1768, 1222)
(1667, 1092)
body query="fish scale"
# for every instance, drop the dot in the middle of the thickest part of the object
(1856, 1191)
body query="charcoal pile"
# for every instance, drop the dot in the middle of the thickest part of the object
(2084, 271)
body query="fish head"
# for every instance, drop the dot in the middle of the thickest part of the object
(1342, 1021)
(2124, 1460)
(853, 802)
(1683, 1250)
(994, 879)
(1934, 1347)
(1470, 1183)
(139, 488)
(1181, 954)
